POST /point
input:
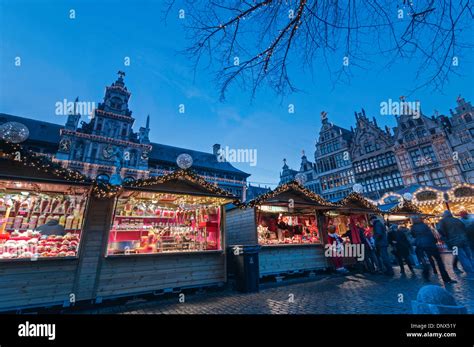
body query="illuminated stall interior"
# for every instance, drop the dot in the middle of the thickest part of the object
(25, 207)
(287, 215)
(352, 211)
(149, 221)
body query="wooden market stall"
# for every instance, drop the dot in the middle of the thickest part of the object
(166, 234)
(402, 211)
(352, 212)
(285, 223)
(39, 265)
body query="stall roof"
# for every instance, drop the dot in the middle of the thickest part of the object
(407, 208)
(291, 190)
(21, 164)
(355, 201)
(180, 182)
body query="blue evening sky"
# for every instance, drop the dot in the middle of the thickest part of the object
(64, 58)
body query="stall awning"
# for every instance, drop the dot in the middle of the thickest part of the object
(293, 193)
(357, 203)
(181, 182)
(18, 163)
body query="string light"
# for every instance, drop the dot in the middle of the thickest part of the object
(356, 198)
(293, 185)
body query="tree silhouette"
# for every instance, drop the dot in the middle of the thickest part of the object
(258, 42)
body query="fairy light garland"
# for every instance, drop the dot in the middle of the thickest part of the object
(359, 199)
(28, 158)
(293, 185)
(406, 207)
(181, 174)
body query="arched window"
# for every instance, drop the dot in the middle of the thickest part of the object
(423, 178)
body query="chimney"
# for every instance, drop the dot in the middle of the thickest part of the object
(216, 148)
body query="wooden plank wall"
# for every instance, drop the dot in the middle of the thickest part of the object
(283, 259)
(36, 283)
(137, 274)
(51, 282)
(93, 247)
(241, 227)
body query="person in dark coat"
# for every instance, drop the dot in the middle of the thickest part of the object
(425, 243)
(401, 247)
(454, 233)
(469, 224)
(381, 243)
(52, 227)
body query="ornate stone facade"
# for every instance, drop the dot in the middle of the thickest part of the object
(107, 144)
(334, 171)
(461, 137)
(375, 166)
(423, 151)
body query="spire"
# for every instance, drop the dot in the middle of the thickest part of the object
(147, 122)
(285, 167)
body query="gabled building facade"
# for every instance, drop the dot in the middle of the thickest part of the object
(373, 159)
(423, 151)
(333, 166)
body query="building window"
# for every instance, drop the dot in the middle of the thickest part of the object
(387, 179)
(468, 118)
(369, 147)
(404, 162)
(397, 179)
(438, 178)
(453, 176)
(409, 137)
(410, 180)
(428, 153)
(423, 178)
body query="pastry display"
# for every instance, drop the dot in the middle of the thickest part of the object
(23, 213)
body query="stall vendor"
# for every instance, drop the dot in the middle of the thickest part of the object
(52, 227)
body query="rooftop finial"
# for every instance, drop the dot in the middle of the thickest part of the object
(121, 74)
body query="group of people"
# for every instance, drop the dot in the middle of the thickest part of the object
(416, 246)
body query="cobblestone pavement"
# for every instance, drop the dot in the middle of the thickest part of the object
(352, 294)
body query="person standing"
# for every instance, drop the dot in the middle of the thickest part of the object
(425, 243)
(381, 243)
(401, 246)
(411, 241)
(469, 224)
(455, 234)
(337, 249)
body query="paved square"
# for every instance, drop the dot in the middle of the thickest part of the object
(328, 294)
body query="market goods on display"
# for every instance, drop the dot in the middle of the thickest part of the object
(23, 213)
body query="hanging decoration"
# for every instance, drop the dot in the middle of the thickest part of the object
(14, 132)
